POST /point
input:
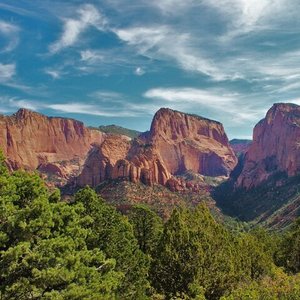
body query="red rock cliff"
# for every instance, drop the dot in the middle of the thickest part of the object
(177, 142)
(30, 140)
(189, 142)
(275, 147)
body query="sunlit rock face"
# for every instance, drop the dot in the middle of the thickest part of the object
(176, 143)
(65, 149)
(31, 141)
(275, 147)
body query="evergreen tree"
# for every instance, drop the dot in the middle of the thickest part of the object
(147, 227)
(43, 251)
(288, 255)
(113, 234)
(194, 256)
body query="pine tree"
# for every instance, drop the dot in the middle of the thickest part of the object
(113, 234)
(43, 251)
(147, 227)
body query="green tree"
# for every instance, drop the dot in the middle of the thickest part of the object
(43, 252)
(194, 256)
(147, 227)
(253, 258)
(288, 255)
(278, 286)
(113, 234)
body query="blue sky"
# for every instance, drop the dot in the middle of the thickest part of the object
(119, 61)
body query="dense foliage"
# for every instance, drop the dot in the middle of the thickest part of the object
(85, 249)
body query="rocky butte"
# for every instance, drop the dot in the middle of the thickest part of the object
(275, 147)
(55, 146)
(176, 143)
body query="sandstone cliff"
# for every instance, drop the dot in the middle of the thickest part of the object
(65, 149)
(176, 143)
(275, 147)
(189, 142)
(55, 146)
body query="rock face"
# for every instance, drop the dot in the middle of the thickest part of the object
(176, 143)
(65, 149)
(275, 147)
(189, 142)
(56, 146)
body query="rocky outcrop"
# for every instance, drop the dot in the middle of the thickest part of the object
(56, 146)
(275, 147)
(176, 143)
(189, 142)
(119, 157)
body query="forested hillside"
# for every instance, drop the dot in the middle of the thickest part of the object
(85, 249)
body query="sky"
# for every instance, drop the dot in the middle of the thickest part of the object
(119, 61)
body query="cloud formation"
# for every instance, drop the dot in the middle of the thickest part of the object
(11, 34)
(88, 16)
(7, 72)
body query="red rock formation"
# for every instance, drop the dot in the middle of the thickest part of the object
(177, 142)
(63, 148)
(189, 142)
(275, 147)
(57, 146)
(119, 157)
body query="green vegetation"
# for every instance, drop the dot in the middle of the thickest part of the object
(273, 204)
(115, 129)
(85, 249)
(240, 141)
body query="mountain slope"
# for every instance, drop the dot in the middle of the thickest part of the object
(115, 129)
(265, 185)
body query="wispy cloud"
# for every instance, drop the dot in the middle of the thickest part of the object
(91, 56)
(7, 72)
(88, 16)
(11, 33)
(139, 71)
(162, 42)
(23, 103)
(54, 73)
(217, 100)
(191, 95)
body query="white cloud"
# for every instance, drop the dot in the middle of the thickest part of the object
(192, 95)
(91, 56)
(10, 32)
(7, 72)
(88, 16)
(23, 103)
(244, 16)
(220, 102)
(162, 42)
(139, 71)
(88, 109)
(54, 73)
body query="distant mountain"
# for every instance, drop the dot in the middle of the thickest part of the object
(240, 146)
(115, 129)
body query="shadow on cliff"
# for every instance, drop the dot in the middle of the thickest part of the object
(274, 203)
